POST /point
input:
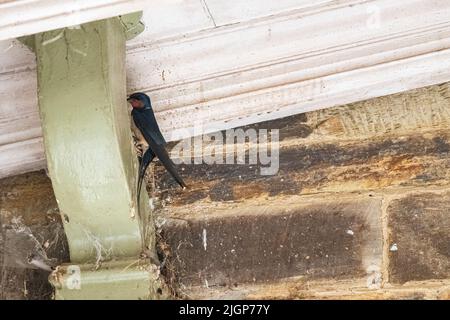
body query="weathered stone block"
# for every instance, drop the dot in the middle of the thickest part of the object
(419, 237)
(422, 109)
(329, 239)
(415, 160)
(31, 231)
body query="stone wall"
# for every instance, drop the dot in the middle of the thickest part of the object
(359, 209)
(31, 228)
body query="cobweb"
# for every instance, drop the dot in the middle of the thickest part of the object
(27, 256)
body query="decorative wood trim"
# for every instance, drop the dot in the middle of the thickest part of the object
(264, 67)
(24, 17)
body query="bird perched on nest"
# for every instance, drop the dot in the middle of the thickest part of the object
(145, 121)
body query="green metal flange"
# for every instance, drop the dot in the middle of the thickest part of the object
(132, 24)
(124, 279)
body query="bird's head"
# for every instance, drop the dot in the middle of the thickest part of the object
(139, 100)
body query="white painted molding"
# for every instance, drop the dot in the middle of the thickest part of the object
(24, 17)
(306, 59)
(213, 66)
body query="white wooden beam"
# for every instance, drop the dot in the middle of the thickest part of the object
(24, 17)
(219, 68)
(308, 58)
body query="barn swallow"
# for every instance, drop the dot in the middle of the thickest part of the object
(145, 121)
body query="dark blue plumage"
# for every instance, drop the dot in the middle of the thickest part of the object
(145, 121)
(146, 118)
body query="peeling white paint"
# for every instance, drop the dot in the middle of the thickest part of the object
(84, 54)
(204, 239)
(374, 279)
(151, 203)
(75, 27)
(55, 38)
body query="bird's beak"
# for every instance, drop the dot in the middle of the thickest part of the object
(128, 99)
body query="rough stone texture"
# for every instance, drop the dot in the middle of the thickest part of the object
(392, 145)
(389, 145)
(415, 160)
(397, 140)
(420, 228)
(299, 288)
(336, 166)
(422, 109)
(29, 196)
(331, 239)
(30, 227)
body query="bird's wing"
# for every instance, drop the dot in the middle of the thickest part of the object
(152, 126)
(158, 149)
(144, 162)
(163, 156)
